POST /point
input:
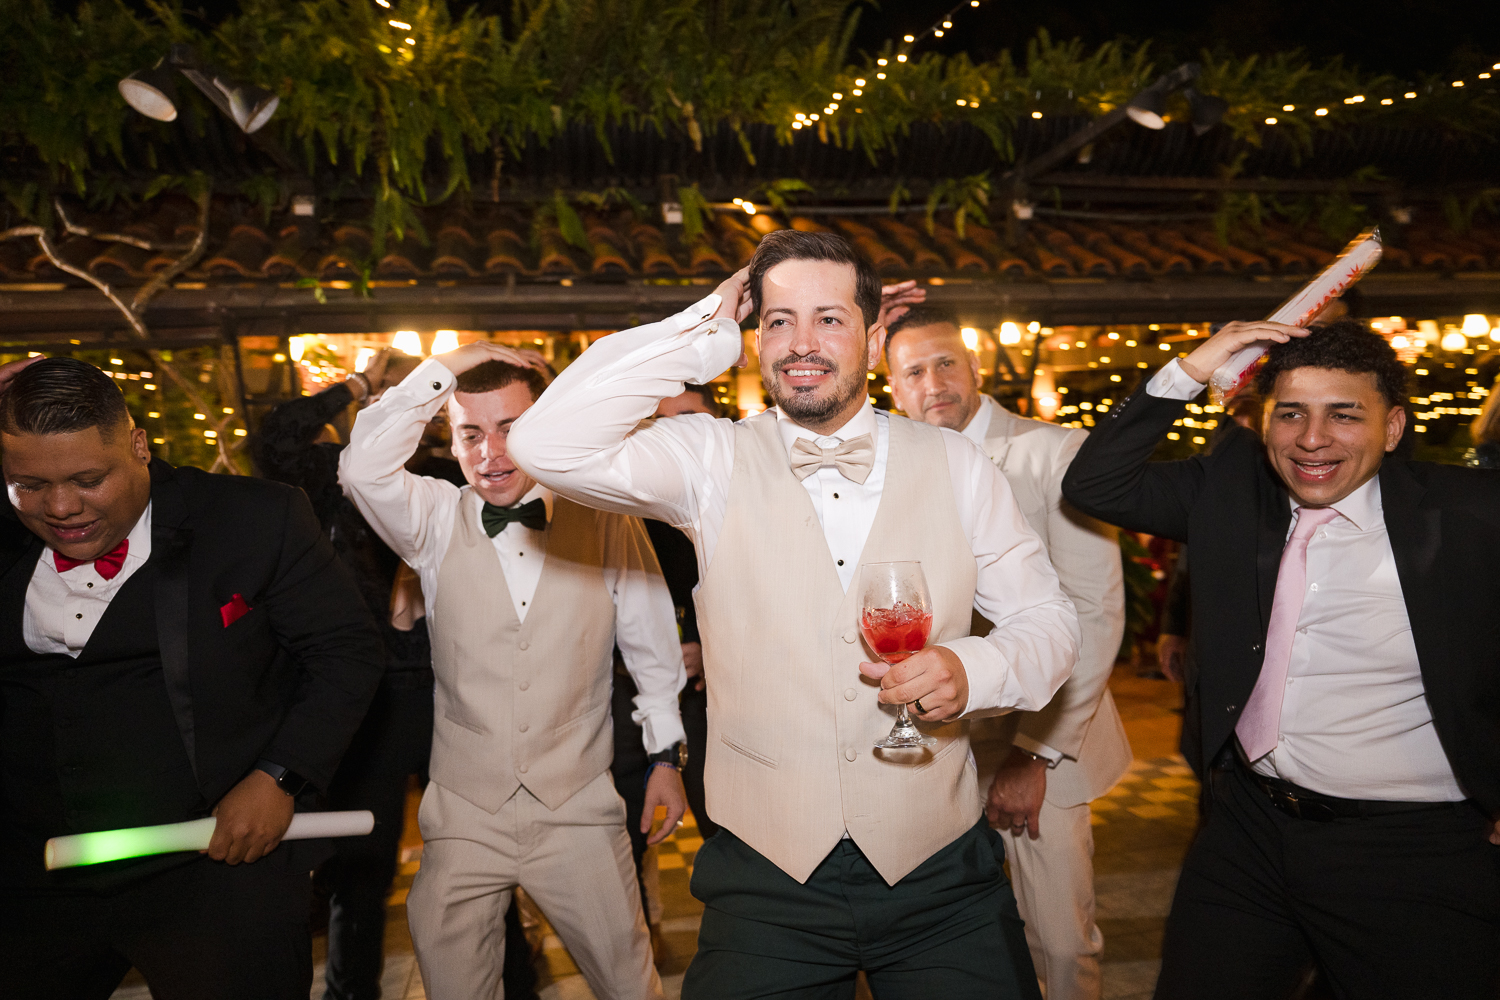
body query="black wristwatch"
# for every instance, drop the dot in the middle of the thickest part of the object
(288, 781)
(675, 755)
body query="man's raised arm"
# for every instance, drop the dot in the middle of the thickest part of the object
(577, 439)
(1113, 477)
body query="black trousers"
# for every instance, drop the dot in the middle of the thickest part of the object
(1404, 905)
(630, 763)
(392, 743)
(201, 931)
(947, 931)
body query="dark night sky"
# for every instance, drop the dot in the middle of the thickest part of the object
(1404, 37)
(1395, 36)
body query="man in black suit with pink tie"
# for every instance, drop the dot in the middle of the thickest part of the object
(175, 645)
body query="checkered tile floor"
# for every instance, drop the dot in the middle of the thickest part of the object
(1158, 789)
(1141, 829)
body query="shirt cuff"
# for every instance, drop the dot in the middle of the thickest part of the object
(1053, 757)
(659, 729)
(1173, 383)
(985, 671)
(429, 380)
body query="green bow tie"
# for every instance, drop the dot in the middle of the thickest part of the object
(532, 515)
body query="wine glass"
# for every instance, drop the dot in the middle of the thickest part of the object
(896, 619)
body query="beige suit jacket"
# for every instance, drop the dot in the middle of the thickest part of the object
(1081, 721)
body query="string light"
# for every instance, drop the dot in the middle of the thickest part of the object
(1270, 121)
(1289, 107)
(400, 24)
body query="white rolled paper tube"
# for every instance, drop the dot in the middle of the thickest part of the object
(194, 835)
(1352, 263)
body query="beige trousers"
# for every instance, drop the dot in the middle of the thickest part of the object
(575, 863)
(1053, 878)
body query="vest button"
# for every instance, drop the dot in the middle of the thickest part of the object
(522, 769)
(850, 694)
(525, 646)
(851, 635)
(524, 727)
(850, 754)
(525, 684)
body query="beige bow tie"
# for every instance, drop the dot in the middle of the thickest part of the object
(854, 459)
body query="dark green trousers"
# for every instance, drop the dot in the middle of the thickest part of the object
(948, 931)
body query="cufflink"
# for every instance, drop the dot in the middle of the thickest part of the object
(437, 385)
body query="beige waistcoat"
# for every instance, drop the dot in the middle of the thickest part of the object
(522, 703)
(790, 764)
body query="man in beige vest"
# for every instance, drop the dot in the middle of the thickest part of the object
(833, 857)
(527, 594)
(1047, 766)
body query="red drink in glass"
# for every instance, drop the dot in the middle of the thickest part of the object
(896, 633)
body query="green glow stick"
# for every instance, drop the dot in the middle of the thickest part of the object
(141, 841)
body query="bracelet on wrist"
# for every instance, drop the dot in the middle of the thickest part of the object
(364, 380)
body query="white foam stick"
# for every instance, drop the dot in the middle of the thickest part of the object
(194, 835)
(1352, 263)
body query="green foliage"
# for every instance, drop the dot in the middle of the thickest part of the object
(968, 197)
(782, 192)
(1140, 583)
(404, 120)
(695, 212)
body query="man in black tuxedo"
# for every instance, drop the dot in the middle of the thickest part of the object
(1344, 606)
(177, 645)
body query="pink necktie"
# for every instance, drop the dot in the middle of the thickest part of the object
(1260, 724)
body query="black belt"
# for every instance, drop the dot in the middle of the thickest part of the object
(1302, 803)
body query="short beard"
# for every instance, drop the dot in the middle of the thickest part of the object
(803, 405)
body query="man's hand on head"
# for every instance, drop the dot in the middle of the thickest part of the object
(935, 677)
(735, 303)
(472, 355)
(10, 371)
(1222, 346)
(663, 788)
(252, 818)
(896, 300)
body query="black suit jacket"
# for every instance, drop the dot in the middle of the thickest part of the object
(290, 680)
(1233, 511)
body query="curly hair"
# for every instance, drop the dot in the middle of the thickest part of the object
(1346, 345)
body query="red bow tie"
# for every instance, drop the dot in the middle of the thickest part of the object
(106, 565)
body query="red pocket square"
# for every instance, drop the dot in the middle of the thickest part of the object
(234, 610)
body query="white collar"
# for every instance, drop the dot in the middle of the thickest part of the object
(863, 422)
(1363, 507)
(978, 427)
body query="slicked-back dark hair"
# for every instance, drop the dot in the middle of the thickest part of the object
(1346, 345)
(790, 244)
(917, 317)
(59, 396)
(487, 376)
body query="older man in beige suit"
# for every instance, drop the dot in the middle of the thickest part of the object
(833, 856)
(1048, 765)
(527, 595)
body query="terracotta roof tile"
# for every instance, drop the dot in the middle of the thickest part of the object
(490, 242)
(867, 241)
(456, 252)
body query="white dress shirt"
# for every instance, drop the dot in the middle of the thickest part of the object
(63, 609)
(583, 438)
(415, 516)
(1354, 717)
(977, 430)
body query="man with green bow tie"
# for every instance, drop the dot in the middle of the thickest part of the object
(527, 595)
